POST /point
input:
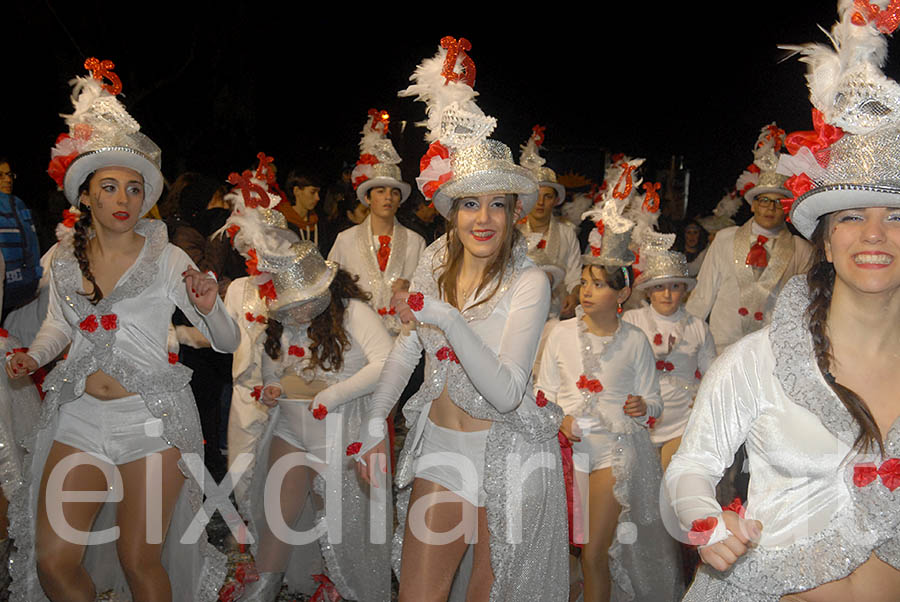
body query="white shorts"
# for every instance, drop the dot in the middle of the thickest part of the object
(117, 431)
(594, 451)
(297, 426)
(455, 460)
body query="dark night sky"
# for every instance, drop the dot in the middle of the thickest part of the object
(214, 84)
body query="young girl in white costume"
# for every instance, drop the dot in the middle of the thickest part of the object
(323, 351)
(814, 395)
(601, 371)
(117, 396)
(476, 431)
(682, 344)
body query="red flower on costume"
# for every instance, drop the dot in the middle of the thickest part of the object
(69, 218)
(251, 263)
(251, 318)
(657, 339)
(664, 366)
(320, 412)
(267, 291)
(416, 301)
(257, 392)
(446, 353)
(541, 399)
(109, 321)
(697, 374)
(384, 311)
(296, 351)
(173, 358)
(89, 324)
(701, 530)
(743, 311)
(542, 244)
(735, 506)
(354, 448)
(384, 252)
(889, 472)
(4, 333)
(591, 384)
(758, 316)
(651, 422)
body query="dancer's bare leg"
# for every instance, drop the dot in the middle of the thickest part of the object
(295, 487)
(59, 560)
(603, 515)
(427, 567)
(140, 553)
(668, 450)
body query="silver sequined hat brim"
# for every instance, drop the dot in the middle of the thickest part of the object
(115, 156)
(641, 284)
(290, 292)
(758, 190)
(560, 191)
(814, 204)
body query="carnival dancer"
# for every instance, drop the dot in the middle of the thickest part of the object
(746, 266)
(323, 352)
(814, 395)
(681, 343)
(551, 241)
(251, 226)
(380, 251)
(476, 430)
(602, 372)
(118, 416)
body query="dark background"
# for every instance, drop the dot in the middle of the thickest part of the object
(213, 84)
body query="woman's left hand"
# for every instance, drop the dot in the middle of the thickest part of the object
(404, 313)
(635, 406)
(202, 289)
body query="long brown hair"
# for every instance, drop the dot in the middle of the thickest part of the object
(820, 279)
(453, 257)
(328, 338)
(80, 241)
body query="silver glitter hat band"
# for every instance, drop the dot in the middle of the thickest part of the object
(115, 156)
(299, 276)
(614, 252)
(484, 168)
(863, 171)
(770, 182)
(662, 268)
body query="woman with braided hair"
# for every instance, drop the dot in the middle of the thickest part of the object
(118, 423)
(813, 396)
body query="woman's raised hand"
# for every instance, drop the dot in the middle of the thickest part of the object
(202, 289)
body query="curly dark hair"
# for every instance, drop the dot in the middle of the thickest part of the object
(329, 339)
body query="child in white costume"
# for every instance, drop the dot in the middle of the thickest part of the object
(318, 379)
(475, 428)
(118, 395)
(601, 371)
(682, 344)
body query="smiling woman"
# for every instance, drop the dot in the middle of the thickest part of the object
(814, 395)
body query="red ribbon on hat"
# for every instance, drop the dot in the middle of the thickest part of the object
(538, 134)
(247, 187)
(818, 140)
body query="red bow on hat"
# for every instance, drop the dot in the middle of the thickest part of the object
(818, 140)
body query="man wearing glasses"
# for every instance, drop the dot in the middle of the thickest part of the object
(746, 266)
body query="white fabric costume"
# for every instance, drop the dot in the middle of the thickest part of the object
(483, 357)
(737, 300)
(819, 526)
(680, 366)
(125, 336)
(247, 416)
(20, 406)
(557, 246)
(643, 560)
(356, 249)
(358, 565)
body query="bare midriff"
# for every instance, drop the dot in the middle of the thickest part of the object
(295, 387)
(103, 386)
(447, 414)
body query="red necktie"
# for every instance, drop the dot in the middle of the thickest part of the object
(757, 256)
(384, 251)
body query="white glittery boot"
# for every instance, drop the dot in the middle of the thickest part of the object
(265, 590)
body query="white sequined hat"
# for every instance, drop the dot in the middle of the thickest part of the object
(532, 160)
(462, 161)
(378, 160)
(852, 157)
(103, 134)
(760, 177)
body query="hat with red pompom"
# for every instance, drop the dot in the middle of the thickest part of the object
(378, 160)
